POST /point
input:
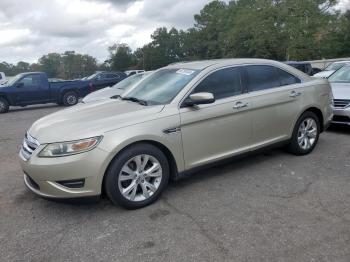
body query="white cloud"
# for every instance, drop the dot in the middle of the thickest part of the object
(32, 28)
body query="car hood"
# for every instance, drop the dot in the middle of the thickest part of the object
(92, 119)
(102, 94)
(341, 90)
(324, 74)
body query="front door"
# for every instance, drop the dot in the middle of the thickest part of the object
(215, 131)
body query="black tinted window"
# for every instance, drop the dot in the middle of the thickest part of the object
(261, 77)
(265, 77)
(286, 78)
(223, 83)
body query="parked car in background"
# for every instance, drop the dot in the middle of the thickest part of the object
(35, 88)
(101, 80)
(115, 90)
(302, 66)
(133, 72)
(329, 70)
(181, 117)
(2, 78)
(340, 82)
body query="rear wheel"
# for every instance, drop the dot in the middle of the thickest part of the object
(4, 105)
(305, 135)
(70, 99)
(137, 176)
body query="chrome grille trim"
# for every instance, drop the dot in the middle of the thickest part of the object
(341, 103)
(29, 145)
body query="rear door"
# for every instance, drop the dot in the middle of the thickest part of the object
(275, 102)
(215, 131)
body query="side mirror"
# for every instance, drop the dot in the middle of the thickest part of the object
(199, 99)
(20, 85)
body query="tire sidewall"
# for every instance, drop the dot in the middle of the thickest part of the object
(5, 107)
(65, 98)
(113, 172)
(294, 143)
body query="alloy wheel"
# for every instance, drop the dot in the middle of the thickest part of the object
(307, 133)
(140, 177)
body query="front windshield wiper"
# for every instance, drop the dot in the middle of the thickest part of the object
(134, 99)
(116, 97)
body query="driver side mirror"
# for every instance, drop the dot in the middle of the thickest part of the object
(20, 85)
(199, 99)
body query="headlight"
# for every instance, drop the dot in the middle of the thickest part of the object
(70, 148)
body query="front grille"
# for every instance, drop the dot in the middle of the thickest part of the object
(29, 145)
(344, 119)
(341, 103)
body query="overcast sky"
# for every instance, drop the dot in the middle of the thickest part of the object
(31, 28)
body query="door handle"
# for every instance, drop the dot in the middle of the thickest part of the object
(240, 104)
(294, 94)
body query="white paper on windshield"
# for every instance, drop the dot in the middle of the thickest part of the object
(185, 72)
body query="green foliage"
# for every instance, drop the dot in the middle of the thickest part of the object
(121, 57)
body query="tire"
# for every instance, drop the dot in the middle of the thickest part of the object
(305, 134)
(137, 185)
(4, 105)
(70, 99)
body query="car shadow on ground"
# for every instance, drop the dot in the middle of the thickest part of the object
(344, 129)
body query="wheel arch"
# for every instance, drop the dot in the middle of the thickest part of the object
(173, 168)
(318, 113)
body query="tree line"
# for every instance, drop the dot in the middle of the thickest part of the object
(273, 29)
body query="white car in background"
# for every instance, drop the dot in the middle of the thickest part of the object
(330, 69)
(115, 90)
(2, 78)
(134, 72)
(340, 83)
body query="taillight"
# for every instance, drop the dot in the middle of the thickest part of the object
(91, 87)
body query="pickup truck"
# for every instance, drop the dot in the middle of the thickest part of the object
(35, 88)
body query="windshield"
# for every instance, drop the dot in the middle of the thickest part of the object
(162, 86)
(335, 66)
(130, 81)
(341, 76)
(14, 79)
(90, 77)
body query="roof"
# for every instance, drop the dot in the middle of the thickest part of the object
(200, 65)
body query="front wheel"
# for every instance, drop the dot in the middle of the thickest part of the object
(4, 105)
(137, 176)
(305, 135)
(70, 99)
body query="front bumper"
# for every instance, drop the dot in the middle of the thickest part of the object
(44, 176)
(341, 116)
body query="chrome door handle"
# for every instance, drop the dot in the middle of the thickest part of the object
(240, 104)
(294, 94)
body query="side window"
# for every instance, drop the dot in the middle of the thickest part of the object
(287, 78)
(261, 77)
(222, 83)
(31, 80)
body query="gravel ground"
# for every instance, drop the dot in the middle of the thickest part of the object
(268, 207)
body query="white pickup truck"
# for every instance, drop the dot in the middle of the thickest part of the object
(2, 78)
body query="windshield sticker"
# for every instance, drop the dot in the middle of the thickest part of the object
(185, 72)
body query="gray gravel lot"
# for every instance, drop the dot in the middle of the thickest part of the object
(268, 207)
